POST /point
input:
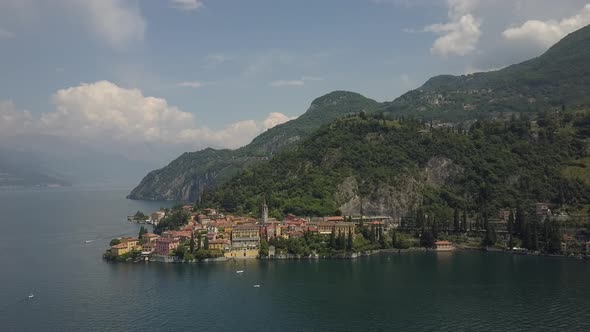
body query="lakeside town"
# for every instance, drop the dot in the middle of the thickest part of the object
(187, 234)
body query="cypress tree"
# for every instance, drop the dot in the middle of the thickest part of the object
(535, 236)
(520, 220)
(464, 221)
(192, 243)
(456, 221)
(206, 243)
(349, 244)
(554, 238)
(333, 239)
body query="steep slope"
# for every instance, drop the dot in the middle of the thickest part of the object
(393, 168)
(186, 177)
(559, 77)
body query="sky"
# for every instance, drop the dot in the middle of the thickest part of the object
(150, 79)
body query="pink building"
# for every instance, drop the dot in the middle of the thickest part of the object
(165, 245)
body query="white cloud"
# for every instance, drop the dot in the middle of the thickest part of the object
(299, 82)
(280, 83)
(191, 84)
(214, 60)
(117, 22)
(186, 5)
(104, 113)
(13, 121)
(461, 34)
(547, 33)
(275, 119)
(5, 34)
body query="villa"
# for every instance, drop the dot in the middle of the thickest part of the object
(444, 246)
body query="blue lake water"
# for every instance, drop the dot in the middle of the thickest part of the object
(42, 251)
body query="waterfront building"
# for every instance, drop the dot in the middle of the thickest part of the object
(344, 228)
(444, 246)
(219, 244)
(119, 249)
(245, 236)
(131, 243)
(150, 237)
(165, 245)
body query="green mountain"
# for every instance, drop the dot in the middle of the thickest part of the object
(559, 77)
(393, 167)
(185, 178)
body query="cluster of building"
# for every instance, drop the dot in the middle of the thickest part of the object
(236, 236)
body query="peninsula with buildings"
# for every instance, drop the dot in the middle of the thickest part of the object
(187, 234)
(497, 160)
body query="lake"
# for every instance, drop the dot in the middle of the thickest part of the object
(42, 251)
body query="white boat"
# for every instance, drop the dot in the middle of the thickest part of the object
(88, 241)
(240, 271)
(256, 286)
(31, 296)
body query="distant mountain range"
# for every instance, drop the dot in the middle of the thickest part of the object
(40, 160)
(22, 169)
(558, 79)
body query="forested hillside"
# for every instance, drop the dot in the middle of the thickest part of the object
(393, 166)
(558, 78)
(186, 177)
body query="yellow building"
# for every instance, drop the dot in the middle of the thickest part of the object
(241, 253)
(119, 249)
(245, 236)
(340, 227)
(344, 228)
(325, 227)
(219, 244)
(131, 243)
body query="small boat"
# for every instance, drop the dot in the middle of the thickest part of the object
(88, 241)
(256, 286)
(31, 296)
(240, 271)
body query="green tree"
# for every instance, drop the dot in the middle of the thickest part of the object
(393, 238)
(264, 249)
(333, 239)
(520, 219)
(206, 243)
(427, 240)
(490, 237)
(456, 222)
(350, 240)
(142, 231)
(535, 235)
(114, 242)
(192, 243)
(464, 227)
(554, 237)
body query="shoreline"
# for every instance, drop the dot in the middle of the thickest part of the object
(352, 256)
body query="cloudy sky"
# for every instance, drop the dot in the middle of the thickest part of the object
(187, 74)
